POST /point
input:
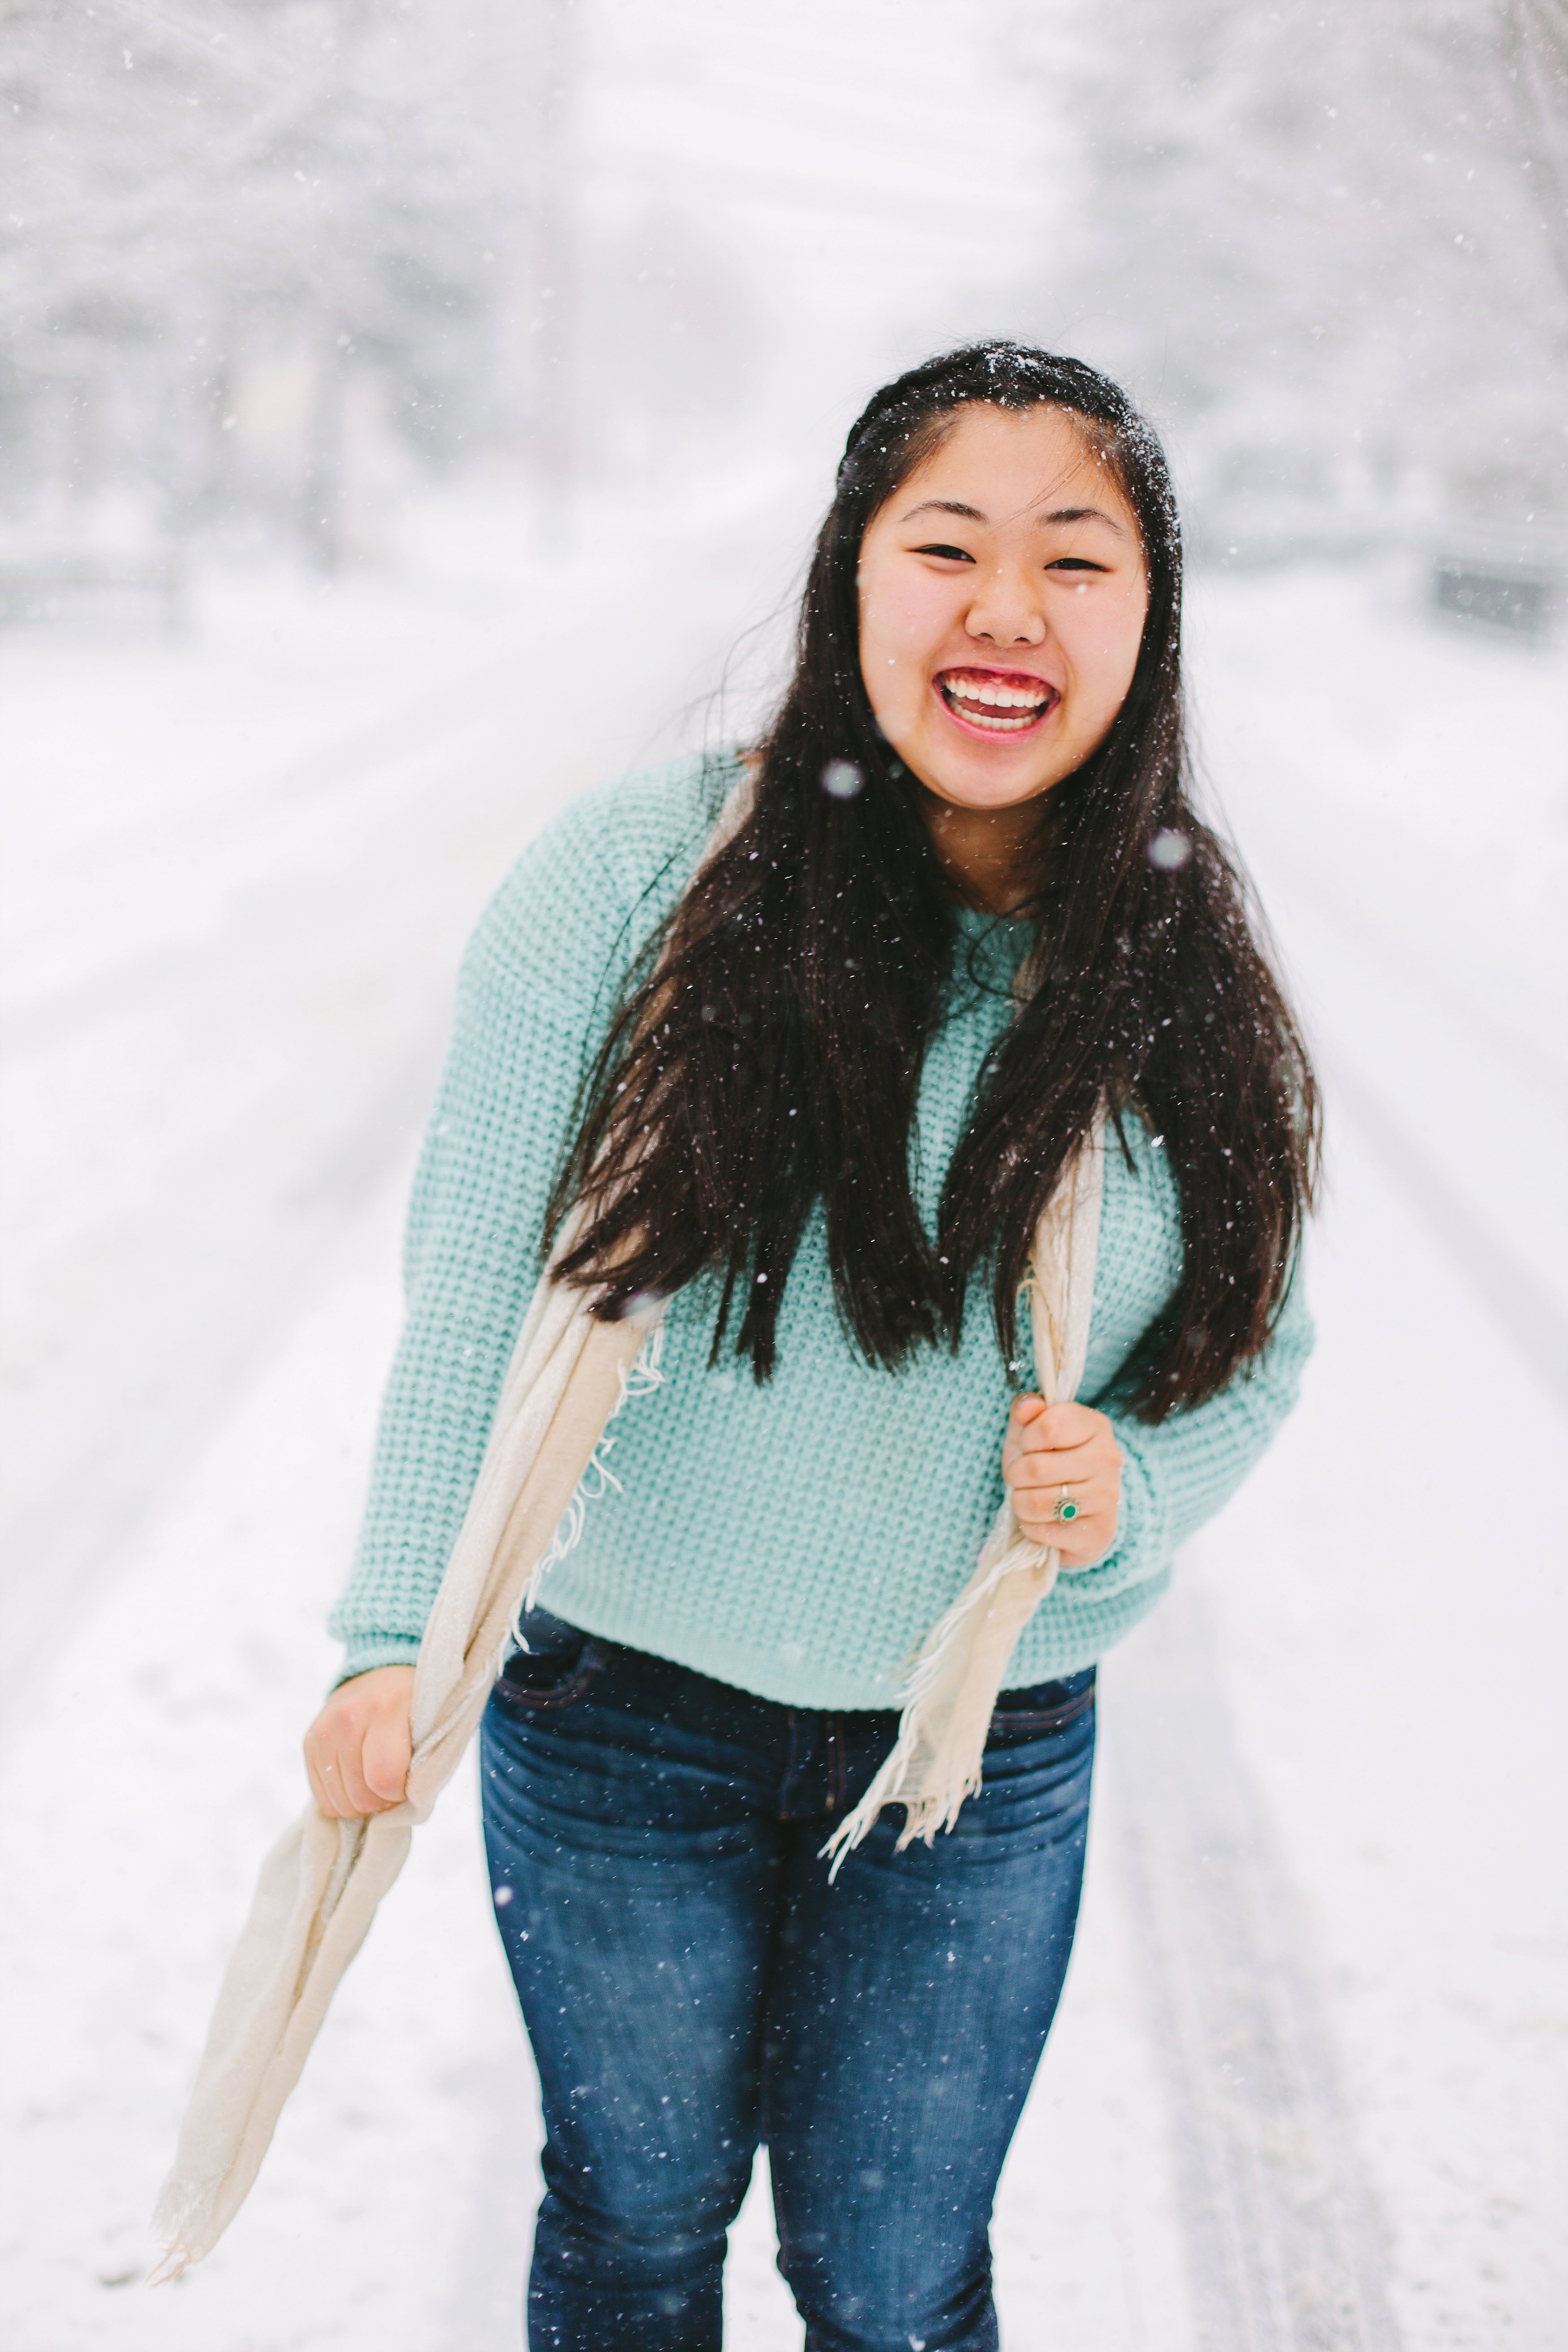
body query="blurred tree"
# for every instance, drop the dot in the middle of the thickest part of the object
(1326, 244)
(1535, 43)
(199, 189)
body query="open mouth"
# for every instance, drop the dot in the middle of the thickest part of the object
(996, 702)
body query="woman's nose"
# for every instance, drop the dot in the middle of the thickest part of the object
(1006, 610)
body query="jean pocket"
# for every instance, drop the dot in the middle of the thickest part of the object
(1043, 1708)
(555, 1672)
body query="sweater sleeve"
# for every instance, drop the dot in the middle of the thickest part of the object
(1177, 1474)
(534, 995)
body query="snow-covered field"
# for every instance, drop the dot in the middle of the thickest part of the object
(1308, 2085)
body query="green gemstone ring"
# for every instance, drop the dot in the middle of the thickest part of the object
(1066, 1507)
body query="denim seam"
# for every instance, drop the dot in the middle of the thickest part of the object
(784, 1812)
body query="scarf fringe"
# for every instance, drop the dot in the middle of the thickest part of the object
(1006, 1553)
(637, 1379)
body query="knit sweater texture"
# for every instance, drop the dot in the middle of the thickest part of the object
(797, 1539)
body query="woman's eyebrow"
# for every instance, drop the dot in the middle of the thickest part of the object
(1083, 514)
(974, 514)
(944, 506)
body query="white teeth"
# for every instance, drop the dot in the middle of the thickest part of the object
(972, 697)
(1004, 698)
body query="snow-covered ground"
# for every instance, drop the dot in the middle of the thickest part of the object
(239, 868)
(1307, 2087)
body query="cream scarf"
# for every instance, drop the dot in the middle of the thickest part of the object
(570, 1373)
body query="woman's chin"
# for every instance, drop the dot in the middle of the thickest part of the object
(970, 773)
(987, 782)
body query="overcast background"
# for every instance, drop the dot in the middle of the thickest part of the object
(411, 414)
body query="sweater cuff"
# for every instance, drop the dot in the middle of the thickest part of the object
(376, 1650)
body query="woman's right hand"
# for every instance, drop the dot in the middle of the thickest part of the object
(357, 1750)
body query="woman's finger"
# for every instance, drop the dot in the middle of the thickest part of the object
(1086, 1484)
(330, 1795)
(385, 1757)
(321, 1770)
(1035, 1423)
(1037, 1511)
(1089, 1537)
(1097, 1493)
(328, 1784)
(1066, 1469)
(345, 1776)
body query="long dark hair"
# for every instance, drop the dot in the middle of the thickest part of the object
(767, 1052)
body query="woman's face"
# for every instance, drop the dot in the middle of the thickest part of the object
(1002, 601)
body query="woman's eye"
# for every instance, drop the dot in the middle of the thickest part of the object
(1074, 564)
(953, 554)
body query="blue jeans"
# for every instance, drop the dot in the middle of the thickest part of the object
(691, 1984)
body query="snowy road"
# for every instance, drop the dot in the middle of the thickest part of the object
(1307, 2087)
(240, 867)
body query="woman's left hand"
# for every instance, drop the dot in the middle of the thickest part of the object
(1052, 1446)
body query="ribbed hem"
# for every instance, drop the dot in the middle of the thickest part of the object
(1047, 1648)
(380, 1650)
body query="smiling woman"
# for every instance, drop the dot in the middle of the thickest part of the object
(1017, 630)
(940, 997)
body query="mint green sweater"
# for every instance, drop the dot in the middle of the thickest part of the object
(796, 1539)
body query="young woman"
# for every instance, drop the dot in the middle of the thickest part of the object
(812, 1087)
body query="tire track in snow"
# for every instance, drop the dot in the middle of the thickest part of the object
(1285, 2242)
(1287, 2247)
